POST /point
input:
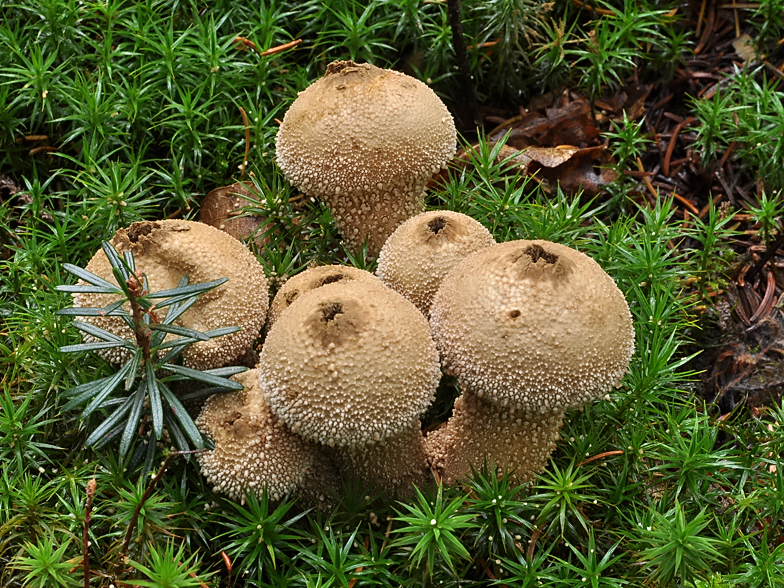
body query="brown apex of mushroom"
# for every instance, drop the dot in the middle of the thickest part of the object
(167, 250)
(533, 325)
(366, 140)
(423, 249)
(310, 279)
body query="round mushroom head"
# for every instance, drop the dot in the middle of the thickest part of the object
(366, 140)
(423, 249)
(254, 449)
(350, 364)
(167, 250)
(533, 325)
(310, 279)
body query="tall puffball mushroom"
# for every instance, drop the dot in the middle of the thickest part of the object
(255, 450)
(352, 365)
(422, 250)
(310, 279)
(530, 329)
(167, 250)
(366, 140)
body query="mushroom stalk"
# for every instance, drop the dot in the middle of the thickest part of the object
(398, 462)
(515, 441)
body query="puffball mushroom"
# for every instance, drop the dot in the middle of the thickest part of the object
(422, 250)
(530, 329)
(352, 365)
(255, 450)
(167, 250)
(310, 279)
(366, 140)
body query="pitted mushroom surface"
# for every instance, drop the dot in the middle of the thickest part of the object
(254, 449)
(533, 325)
(366, 140)
(167, 250)
(422, 250)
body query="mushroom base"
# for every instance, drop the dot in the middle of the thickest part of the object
(395, 464)
(510, 441)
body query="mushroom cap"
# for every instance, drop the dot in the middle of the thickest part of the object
(366, 140)
(349, 364)
(253, 447)
(423, 249)
(167, 250)
(533, 325)
(310, 279)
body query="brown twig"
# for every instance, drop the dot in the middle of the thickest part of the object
(708, 30)
(454, 11)
(590, 7)
(279, 48)
(673, 139)
(600, 456)
(532, 543)
(271, 51)
(88, 516)
(765, 257)
(701, 17)
(484, 45)
(353, 581)
(647, 181)
(44, 148)
(687, 203)
(386, 535)
(247, 141)
(227, 563)
(142, 331)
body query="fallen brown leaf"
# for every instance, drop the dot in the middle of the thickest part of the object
(223, 208)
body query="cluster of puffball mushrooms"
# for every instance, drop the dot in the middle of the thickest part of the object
(351, 360)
